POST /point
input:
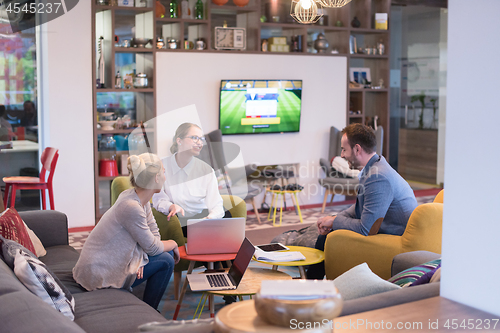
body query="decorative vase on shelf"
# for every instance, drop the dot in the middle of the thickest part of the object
(219, 2)
(160, 10)
(355, 23)
(198, 10)
(241, 3)
(321, 43)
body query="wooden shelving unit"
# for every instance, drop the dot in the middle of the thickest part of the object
(112, 20)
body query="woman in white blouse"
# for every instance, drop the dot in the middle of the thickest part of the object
(190, 190)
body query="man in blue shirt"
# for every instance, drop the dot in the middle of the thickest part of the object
(382, 194)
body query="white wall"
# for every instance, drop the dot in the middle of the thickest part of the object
(471, 221)
(194, 78)
(66, 88)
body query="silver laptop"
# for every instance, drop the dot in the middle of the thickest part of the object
(215, 236)
(224, 281)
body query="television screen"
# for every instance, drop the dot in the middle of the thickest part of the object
(259, 106)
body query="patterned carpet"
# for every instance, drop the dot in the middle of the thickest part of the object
(191, 299)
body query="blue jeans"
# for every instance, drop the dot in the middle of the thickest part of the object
(157, 272)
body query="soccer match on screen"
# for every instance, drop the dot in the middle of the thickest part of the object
(260, 106)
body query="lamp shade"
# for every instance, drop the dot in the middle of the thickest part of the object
(334, 3)
(306, 11)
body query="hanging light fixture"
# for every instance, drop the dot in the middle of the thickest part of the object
(334, 3)
(306, 11)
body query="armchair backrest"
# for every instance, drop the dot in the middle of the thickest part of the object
(119, 185)
(424, 229)
(336, 137)
(213, 153)
(439, 197)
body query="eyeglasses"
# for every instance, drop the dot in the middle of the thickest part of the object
(196, 138)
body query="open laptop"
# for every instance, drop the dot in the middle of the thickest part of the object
(225, 281)
(215, 236)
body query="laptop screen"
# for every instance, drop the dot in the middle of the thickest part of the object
(241, 261)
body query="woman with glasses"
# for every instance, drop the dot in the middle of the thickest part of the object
(191, 190)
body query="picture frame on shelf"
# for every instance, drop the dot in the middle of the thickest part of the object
(360, 75)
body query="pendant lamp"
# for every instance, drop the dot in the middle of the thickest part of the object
(306, 11)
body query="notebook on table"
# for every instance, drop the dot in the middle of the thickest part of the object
(224, 281)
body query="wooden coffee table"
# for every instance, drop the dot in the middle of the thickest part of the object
(249, 285)
(313, 256)
(241, 317)
(210, 259)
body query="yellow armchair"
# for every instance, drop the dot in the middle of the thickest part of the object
(345, 249)
(439, 197)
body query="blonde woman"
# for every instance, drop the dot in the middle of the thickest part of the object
(125, 248)
(190, 190)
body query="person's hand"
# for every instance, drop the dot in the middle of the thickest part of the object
(324, 224)
(177, 256)
(140, 273)
(174, 209)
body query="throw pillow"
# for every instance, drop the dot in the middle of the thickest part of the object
(426, 278)
(42, 282)
(341, 165)
(9, 250)
(37, 243)
(12, 227)
(360, 281)
(410, 275)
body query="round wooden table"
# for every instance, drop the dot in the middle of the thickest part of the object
(249, 285)
(193, 258)
(313, 256)
(241, 317)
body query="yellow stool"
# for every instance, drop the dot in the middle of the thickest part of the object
(276, 195)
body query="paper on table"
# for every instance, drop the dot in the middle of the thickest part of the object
(298, 289)
(278, 256)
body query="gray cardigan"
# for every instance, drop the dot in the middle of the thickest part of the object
(118, 245)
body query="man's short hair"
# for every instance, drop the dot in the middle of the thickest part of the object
(362, 135)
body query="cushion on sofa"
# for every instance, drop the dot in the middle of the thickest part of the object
(41, 282)
(112, 310)
(9, 249)
(12, 227)
(37, 243)
(37, 278)
(360, 281)
(410, 275)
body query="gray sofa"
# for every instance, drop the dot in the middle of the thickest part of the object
(107, 310)
(404, 295)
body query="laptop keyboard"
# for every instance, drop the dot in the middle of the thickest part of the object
(217, 280)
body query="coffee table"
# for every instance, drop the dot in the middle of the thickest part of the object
(193, 258)
(313, 256)
(249, 285)
(241, 317)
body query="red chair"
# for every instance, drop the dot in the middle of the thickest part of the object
(49, 161)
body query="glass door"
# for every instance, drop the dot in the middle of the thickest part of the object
(418, 91)
(19, 111)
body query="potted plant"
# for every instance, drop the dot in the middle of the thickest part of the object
(420, 98)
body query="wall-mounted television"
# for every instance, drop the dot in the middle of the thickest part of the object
(259, 106)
